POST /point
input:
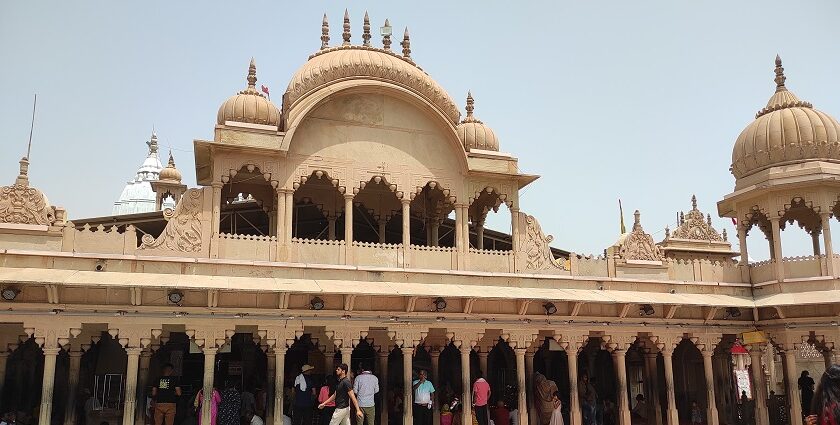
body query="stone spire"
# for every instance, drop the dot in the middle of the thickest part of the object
(346, 34)
(780, 75)
(325, 33)
(252, 74)
(23, 176)
(470, 108)
(637, 222)
(366, 31)
(693, 202)
(386, 36)
(406, 45)
(153, 144)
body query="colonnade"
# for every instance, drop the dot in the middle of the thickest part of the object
(524, 344)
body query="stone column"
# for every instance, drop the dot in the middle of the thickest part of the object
(132, 366)
(759, 387)
(483, 355)
(4, 356)
(479, 238)
(792, 390)
(209, 372)
(48, 385)
(829, 249)
(651, 385)
(435, 355)
(381, 228)
(142, 382)
(623, 404)
(383, 383)
(742, 245)
(406, 228)
(72, 385)
(529, 376)
(514, 228)
(466, 391)
(290, 214)
(522, 397)
(331, 227)
(280, 220)
(348, 228)
(815, 242)
(271, 373)
(711, 408)
(408, 403)
(668, 360)
(575, 417)
(459, 229)
(279, 378)
(435, 239)
(777, 249)
(217, 207)
(347, 356)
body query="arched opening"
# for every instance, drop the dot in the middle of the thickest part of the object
(551, 372)
(24, 372)
(375, 206)
(795, 242)
(449, 374)
(248, 202)
(364, 358)
(501, 375)
(490, 200)
(689, 379)
(759, 243)
(430, 209)
(596, 365)
(318, 207)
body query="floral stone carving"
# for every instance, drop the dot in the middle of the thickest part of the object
(638, 245)
(183, 232)
(534, 244)
(694, 226)
(21, 204)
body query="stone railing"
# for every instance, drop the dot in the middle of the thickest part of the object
(490, 260)
(803, 266)
(589, 265)
(315, 251)
(433, 257)
(763, 271)
(378, 254)
(100, 239)
(247, 247)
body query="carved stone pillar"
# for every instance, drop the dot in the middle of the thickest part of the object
(529, 376)
(348, 228)
(759, 386)
(815, 242)
(652, 387)
(279, 379)
(483, 355)
(280, 219)
(75, 355)
(522, 397)
(711, 408)
(466, 390)
(479, 235)
(217, 207)
(347, 356)
(777, 249)
(383, 383)
(668, 360)
(142, 382)
(381, 228)
(132, 367)
(207, 387)
(408, 405)
(434, 353)
(623, 404)
(331, 227)
(514, 228)
(289, 215)
(829, 249)
(435, 237)
(742, 245)
(48, 385)
(270, 376)
(575, 417)
(792, 387)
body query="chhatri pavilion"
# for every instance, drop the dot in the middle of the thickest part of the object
(346, 224)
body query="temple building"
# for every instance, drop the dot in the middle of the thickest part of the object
(346, 224)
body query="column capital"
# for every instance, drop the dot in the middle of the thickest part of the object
(133, 335)
(520, 338)
(619, 342)
(210, 337)
(347, 336)
(571, 341)
(350, 196)
(49, 334)
(51, 351)
(465, 337)
(210, 350)
(407, 335)
(133, 351)
(407, 350)
(280, 337)
(667, 342)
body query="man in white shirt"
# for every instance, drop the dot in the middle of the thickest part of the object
(253, 419)
(366, 386)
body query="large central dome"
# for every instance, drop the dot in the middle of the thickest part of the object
(786, 131)
(348, 62)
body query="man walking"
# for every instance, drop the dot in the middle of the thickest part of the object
(423, 390)
(165, 394)
(342, 396)
(304, 397)
(481, 395)
(366, 386)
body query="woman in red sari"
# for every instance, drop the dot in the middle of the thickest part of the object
(826, 402)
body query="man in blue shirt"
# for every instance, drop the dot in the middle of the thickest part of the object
(366, 386)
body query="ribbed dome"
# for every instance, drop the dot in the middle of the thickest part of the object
(473, 133)
(347, 62)
(170, 173)
(249, 105)
(786, 130)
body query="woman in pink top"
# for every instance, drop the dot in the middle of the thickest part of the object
(481, 395)
(326, 391)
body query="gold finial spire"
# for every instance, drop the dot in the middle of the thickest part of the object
(780, 75)
(693, 202)
(366, 31)
(325, 33)
(346, 34)
(386, 35)
(252, 74)
(406, 45)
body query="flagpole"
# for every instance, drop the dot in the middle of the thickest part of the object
(31, 127)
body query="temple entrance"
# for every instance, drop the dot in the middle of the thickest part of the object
(689, 381)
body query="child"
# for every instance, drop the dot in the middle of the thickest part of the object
(557, 413)
(696, 414)
(445, 415)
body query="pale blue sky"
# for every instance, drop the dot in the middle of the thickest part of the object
(638, 100)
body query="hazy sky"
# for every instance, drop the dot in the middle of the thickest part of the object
(638, 100)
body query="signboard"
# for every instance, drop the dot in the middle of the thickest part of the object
(754, 337)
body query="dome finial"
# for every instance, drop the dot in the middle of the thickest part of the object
(470, 108)
(325, 33)
(693, 202)
(153, 143)
(406, 45)
(637, 222)
(366, 31)
(780, 75)
(171, 159)
(252, 74)
(386, 35)
(346, 34)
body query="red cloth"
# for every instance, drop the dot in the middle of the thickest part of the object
(501, 416)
